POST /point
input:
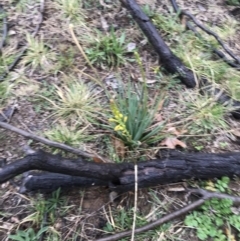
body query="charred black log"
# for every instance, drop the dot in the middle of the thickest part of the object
(120, 177)
(169, 61)
(48, 182)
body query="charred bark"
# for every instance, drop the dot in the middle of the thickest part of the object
(120, 177)
(48, 182)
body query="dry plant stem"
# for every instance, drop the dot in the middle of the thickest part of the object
(135, 201)
(45, 141)
(183, 211)
(23, 51)
(84, 55)
(5, 29)
(208, 31)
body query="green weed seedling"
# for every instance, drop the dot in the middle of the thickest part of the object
(28, 235)
(65, 59)
(107, 50)
(72, 136)
(215, 216)
(4, 93)
(233, 2)
(22, 5)
(74, 101)
(41, 208)
(72, 10)
(122, 220)
(38, 55)
(203, 114)
(6, 58)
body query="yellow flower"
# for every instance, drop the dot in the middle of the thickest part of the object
(125, 119)
(112, 120)
(118, 128)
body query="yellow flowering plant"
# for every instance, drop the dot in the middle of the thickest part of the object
(133, 120)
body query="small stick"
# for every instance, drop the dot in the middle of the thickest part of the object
(45, 140)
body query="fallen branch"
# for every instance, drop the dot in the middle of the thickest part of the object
(48, 142)
(183, 211)
(120, 176)
(48, 182)
(205, 29)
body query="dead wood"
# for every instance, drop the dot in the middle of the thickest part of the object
(120, 177)
(168, 60)
(48, 182)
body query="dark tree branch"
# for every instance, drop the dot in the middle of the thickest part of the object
(121, 176)
(48, 182)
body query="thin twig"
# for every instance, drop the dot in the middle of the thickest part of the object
(205, 193)
(135, 201)
(46, 141)
(23, 51)
(5, 29)
(205, 196)
(208, 31)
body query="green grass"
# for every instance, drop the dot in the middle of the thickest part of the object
(202, 114)
(72, 10)
(5, 88)
(74, 101)
(39, 55)
(38, 224)
(107, 50)
(72, 136)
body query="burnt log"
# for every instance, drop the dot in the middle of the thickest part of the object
(48, 182)
(168, 60)
(120, 176)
